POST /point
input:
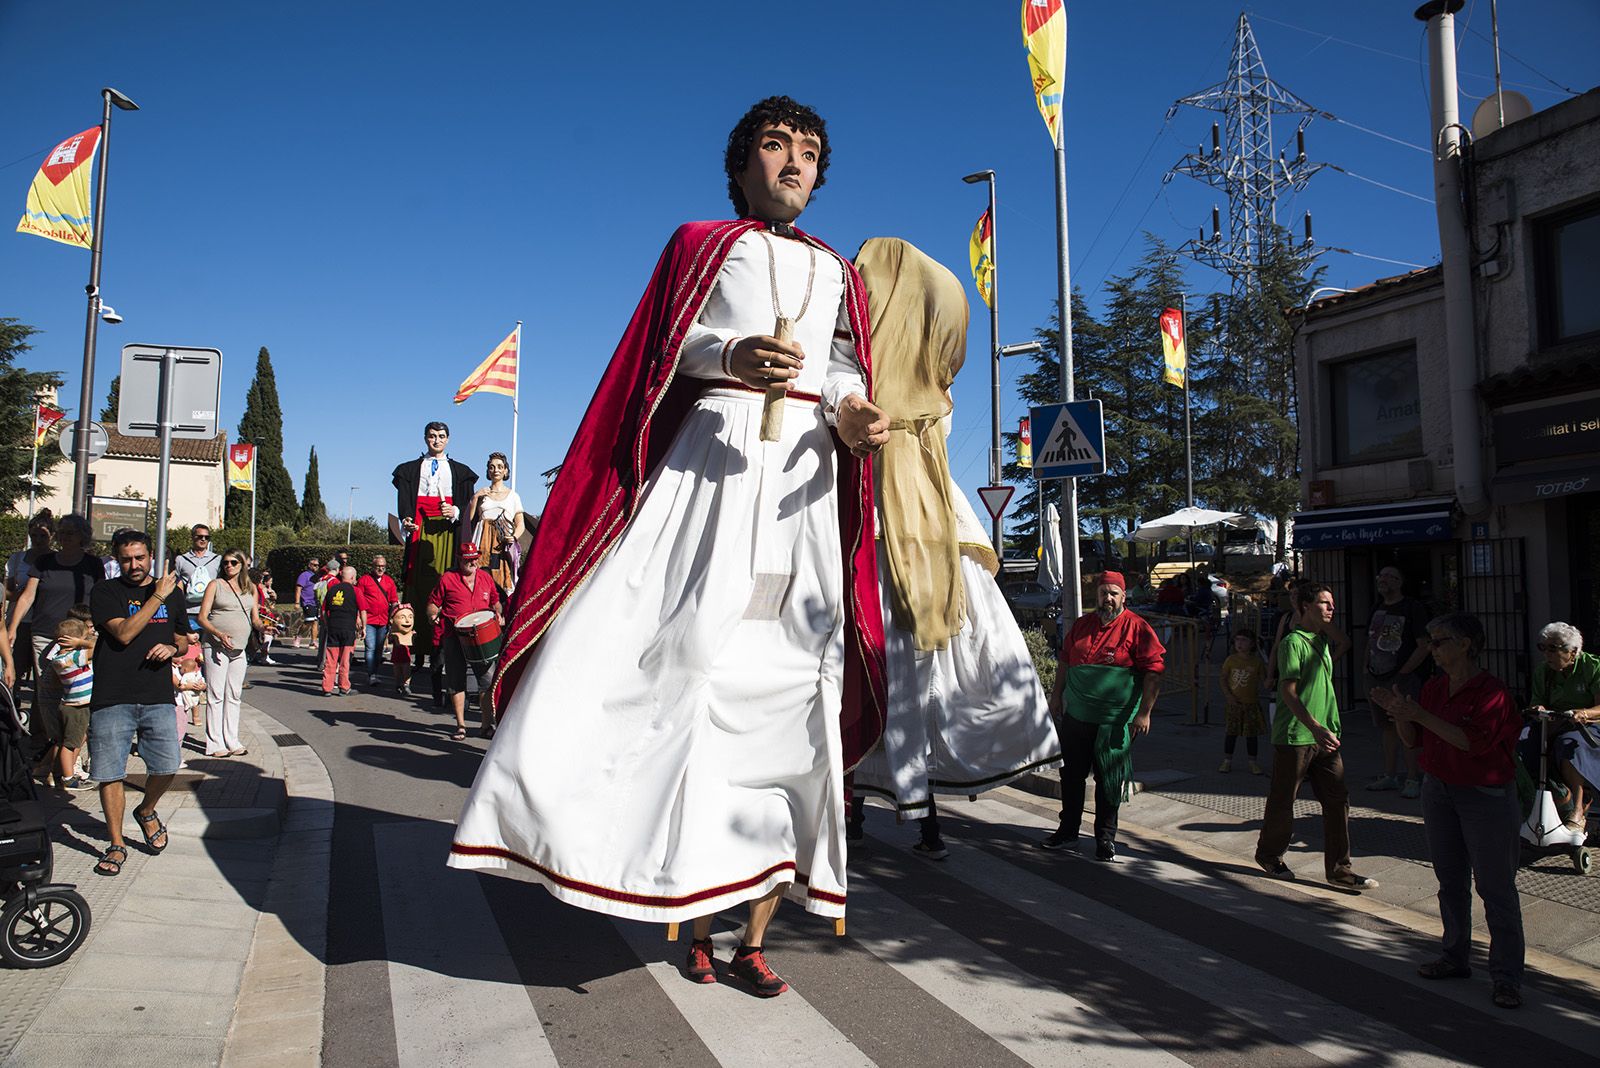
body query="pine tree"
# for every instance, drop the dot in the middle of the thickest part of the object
(262, 426)
(312, 510)
(19, 390)
(108, 414)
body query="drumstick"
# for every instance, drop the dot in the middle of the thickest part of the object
(772, 406)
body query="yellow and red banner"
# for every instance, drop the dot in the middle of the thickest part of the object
(1044, 31)
(242, 467)
(1025, 442)
(1173, 350)
(981, 252)
(44, 418)
(58, 199)
(497, 374)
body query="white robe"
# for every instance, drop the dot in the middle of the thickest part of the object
(673, 745)
(965, 718)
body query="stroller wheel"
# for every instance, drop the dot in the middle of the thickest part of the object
(1582, 860)
(47, 933)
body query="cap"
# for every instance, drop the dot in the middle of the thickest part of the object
(1113, 578)
(469, 550)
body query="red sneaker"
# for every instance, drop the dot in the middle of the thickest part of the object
(752, 968)
(700, 968)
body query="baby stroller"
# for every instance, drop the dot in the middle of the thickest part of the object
(1544, 833)
(41, 923)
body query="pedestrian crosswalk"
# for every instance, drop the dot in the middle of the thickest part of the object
(1002, 955)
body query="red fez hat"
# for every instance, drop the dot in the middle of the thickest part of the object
(1113, 578)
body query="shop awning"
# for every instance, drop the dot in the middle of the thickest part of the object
(1374, 524)
(1520, 483)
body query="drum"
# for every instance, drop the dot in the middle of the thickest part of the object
(480, 637)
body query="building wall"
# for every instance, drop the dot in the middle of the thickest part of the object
(194, 490)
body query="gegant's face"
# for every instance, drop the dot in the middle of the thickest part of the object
(780, 173)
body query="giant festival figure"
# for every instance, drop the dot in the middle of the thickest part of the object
(695, 655)
(966, 710)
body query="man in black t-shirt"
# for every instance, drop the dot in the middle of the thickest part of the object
(142, 625)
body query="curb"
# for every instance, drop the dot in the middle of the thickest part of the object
(278, 1017)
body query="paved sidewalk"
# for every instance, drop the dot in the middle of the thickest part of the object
(209, 953)
(1182, 795)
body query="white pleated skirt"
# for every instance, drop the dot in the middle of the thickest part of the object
(963, 719)
(673, 745)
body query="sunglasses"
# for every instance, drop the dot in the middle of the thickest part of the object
(230, 563)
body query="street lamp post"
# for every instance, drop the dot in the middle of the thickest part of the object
(350, 514)
(994, 353)
(80, 440)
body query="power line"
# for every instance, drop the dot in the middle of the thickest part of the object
(1380, 185)
(1131, 179)
(1564, 88)
(1380, 259)
(1374, 133)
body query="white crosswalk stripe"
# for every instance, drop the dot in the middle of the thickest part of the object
(1038, 1023)
(457, 996)
(741, 1031)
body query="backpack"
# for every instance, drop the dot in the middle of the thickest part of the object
(199, 579)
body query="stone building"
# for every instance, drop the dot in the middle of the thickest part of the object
(1377, 454)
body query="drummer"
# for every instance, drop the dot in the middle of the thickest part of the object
(459, 594)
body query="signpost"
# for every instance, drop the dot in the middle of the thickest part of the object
(99, 440)
(168, 392)
(995, 499)
(1070, 440)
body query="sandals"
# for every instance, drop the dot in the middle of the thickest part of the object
(460, 735)
(1444, 969)
(144, 822)
(109, 865)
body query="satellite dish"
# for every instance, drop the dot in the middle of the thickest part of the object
(1486, 120)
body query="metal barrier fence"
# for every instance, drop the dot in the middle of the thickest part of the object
(1187, 670)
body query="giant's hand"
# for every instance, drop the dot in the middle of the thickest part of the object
(862, 426)
(763, 362)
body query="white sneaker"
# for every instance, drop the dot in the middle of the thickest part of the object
(1226, 765)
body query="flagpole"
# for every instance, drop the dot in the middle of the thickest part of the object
(253, 508)
(33, 476)
(516, 389)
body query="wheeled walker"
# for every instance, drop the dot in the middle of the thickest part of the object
(41, 923)
(1543, 832)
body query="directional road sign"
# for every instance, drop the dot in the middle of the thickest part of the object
(995, 499)
(1069, 440)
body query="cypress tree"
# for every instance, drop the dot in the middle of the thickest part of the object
(262, 426)
(108, 414)
(312, 510)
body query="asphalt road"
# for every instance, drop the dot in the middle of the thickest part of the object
(1002, 955)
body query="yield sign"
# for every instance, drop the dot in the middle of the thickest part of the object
(995, 498)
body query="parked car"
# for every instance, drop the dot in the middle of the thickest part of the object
(1032, 603)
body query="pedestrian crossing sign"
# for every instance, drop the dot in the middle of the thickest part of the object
(1073, 443)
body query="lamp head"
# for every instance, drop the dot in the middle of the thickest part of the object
(118, 99)
(980, 176)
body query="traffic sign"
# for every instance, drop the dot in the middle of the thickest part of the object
(99, 441)
(1069, 440)
(995, 498)
(192, 403)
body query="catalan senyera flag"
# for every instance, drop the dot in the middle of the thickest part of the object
(58, 200)
(1173, 350)
(981, 251)
(44, 418)
(1044, 31)
(242, 467)
(1025, 442)
(497, 374)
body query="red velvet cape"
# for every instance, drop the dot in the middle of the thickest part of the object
(631, 420)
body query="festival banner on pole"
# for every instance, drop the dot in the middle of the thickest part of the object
(58, 199)
(44, 418)
(242, 467)
(497, 374)
(1025, 442)
(1044, 31)
(1173, 351)
(981, 252)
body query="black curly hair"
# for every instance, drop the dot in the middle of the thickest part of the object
(774, 110)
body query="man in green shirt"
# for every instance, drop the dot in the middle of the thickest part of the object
(1305, 738)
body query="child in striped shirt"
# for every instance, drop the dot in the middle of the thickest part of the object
(71, 656)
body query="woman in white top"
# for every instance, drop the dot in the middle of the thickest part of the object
(497, 514)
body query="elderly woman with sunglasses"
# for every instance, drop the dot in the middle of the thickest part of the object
(1468, 724)
(1568, 681)
(229, 611)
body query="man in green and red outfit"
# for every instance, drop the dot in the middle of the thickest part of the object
(1106, 686)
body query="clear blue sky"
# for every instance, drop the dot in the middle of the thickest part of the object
(378, 191)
